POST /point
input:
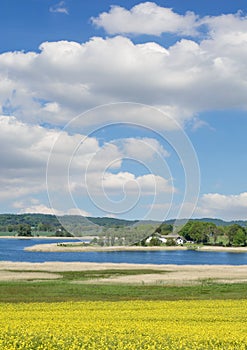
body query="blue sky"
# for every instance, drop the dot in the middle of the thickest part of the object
(77, 76)
(26, 24)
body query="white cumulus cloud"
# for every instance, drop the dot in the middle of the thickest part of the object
(67, 78)
(146, 18)
(228, 207)
(77, 165)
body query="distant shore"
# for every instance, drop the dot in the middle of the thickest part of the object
(76, 247)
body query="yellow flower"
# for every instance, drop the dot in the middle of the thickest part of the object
(130, 325)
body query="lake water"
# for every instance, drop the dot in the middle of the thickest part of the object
(13, 250)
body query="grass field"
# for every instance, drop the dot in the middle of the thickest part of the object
(10, 234)
(75, 313)
(70, 287)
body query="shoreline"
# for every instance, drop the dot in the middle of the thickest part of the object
(54, 247)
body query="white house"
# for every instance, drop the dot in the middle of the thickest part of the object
(179, 240)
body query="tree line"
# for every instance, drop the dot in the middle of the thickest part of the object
(207, 232)
(115, 231)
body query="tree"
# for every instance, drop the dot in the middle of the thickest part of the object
(164, 229)
(41, 227)
(62, 232)
(24, 230)
(236, 235)
(218, 231)
(170, 242)
(155, 241)
(196, 231)
(199, 232)
(10, 228)
(184, 230)
(239, 238)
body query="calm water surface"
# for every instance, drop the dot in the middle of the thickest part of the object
(13, 250)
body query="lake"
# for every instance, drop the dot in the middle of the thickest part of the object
(13, 250)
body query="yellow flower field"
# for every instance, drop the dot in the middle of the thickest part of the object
(129, 325)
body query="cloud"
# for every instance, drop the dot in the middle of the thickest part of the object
(64, 79)
(36, 208)
(228, 207)
(147, 184)
(39, 208)
(67, 78)
(143, 148)
(77, 165)
(124, 192)
(146, 18)
(213, 205)
(24, 151)
(103, 168)
(59, 8)
(210, 205)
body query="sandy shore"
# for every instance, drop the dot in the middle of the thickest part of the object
(76, 247)
(169, 274)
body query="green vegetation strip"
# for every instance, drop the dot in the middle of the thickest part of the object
(93, 274)
(63, 290)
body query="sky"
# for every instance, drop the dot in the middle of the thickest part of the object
(125, 109)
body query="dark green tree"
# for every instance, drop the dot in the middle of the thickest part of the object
(62, 232)
(164, 229)
(199, 232)
(170, 242)
(235, 233)
(239, 238)
(155, 241)
(24, 230)
(218, 231)
(10, 228)
(184, 230)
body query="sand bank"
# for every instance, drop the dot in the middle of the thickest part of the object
(77, 247)
(169, 274)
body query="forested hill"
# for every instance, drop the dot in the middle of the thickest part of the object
(111, 221)
(51, 220)
(217, 222)
(29, 219)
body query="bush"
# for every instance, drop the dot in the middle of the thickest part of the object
(170, 242)
(155, 242)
